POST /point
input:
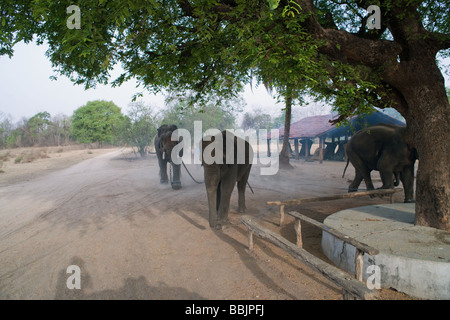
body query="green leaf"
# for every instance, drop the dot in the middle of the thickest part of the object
(273, 4)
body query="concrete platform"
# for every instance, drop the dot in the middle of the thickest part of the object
(412, 259)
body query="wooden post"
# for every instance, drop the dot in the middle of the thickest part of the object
(250, 240)
(298, 232)
(348, 296)
(358, 245)
(281, 214)
(321, 149)
(306, 149)
(296, 149)
(359, 263)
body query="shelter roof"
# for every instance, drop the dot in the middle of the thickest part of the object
(320, 126)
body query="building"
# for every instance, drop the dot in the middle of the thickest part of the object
(331, 138)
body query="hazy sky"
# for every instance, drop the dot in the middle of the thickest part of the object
(25, 88)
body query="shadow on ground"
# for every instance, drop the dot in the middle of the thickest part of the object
(134, 288)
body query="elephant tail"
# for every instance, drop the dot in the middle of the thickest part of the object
(250, 187)
(345, 169)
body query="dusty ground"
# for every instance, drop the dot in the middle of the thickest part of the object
(105, 211)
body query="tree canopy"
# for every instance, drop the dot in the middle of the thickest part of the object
(216, 46)
(97, 121)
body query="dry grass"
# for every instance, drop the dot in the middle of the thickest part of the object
(27, 155)
(22, 164)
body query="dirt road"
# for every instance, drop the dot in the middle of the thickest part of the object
(133, 238)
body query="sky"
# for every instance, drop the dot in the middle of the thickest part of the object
(26, 89)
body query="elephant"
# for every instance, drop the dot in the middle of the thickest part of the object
(221, 176)
(163, 147)
(383, 148)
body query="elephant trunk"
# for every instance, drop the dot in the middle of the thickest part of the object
(212, 183)
(213, 203)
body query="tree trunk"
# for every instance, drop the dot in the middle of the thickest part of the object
(285, 150)
(428, 121)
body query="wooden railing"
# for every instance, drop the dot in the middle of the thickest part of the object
(361, 248)
(351, 287)
(378, 192)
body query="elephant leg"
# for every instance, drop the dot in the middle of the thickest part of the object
(353, 187)
(396, 178)
(163, 171)
(241, 185)
(362, 171)
(368, 180)
(176, 183)
(212, 184)
(224, 205)
(226, 189)
(213, 194)
(386, 178)
(386, 166)
(407, 178)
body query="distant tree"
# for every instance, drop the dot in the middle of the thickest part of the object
(278, 121)
(212, 115)
(140, 127)
(59, 130)
(257, 120)
(97, 121)
(14, 139)
(36, 128)
(6, 127)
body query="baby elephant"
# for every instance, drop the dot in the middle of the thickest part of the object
(221, 173)
(382, 148)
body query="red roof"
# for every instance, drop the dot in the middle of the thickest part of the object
(308, 127)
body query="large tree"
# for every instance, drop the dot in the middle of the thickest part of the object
(98, 121)
(321, 46)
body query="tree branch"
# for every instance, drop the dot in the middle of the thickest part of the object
(350, 48)
(186, 7)
(347, 47)
(441, 41)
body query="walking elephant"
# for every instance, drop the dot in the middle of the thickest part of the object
(163, 147)
(382, 148)
(221, 175)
